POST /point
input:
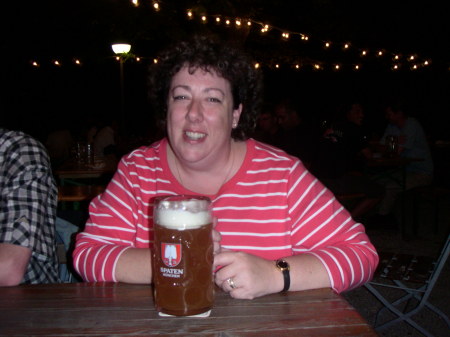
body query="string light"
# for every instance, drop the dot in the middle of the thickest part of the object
(287, 36)
(265, 27)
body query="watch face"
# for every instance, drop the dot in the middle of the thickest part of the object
(282, 264)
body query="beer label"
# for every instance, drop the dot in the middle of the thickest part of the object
(171, 254)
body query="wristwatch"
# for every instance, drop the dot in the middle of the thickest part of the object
(283, 266)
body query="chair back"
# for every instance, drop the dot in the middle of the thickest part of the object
(439, 265)
(399, 271)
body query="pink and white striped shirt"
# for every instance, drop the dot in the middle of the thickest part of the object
(272, 207)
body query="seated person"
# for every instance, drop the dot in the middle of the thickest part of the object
(340, 162)
(412, 143)
(296, 135)
(267, 128)
(271, 212)
(28, 201)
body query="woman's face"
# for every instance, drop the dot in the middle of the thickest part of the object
(200, 115)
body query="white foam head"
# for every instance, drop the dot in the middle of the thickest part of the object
(183, 214)
(181, 219)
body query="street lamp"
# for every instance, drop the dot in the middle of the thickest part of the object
(121, 50)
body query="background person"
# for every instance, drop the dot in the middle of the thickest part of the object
(28, 200)
(296, 136)
(412, 143)
(268, 206)
(341, 160)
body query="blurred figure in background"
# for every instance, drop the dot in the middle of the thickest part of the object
(59, 140)
(267, 128)
(296, 135)
(412, 143)
(341, 158)
(105, 141)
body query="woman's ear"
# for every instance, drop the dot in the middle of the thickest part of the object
(236, 116)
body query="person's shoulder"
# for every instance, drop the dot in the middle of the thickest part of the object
(15, 139)
(264, 151)
(146, 151)
(22, 151)
(413, 121)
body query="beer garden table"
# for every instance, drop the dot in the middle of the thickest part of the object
(73, 170)
(118, 309)
(78, 182)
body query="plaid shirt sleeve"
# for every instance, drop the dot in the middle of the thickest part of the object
(28, 201)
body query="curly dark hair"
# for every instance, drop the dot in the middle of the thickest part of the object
(209, 54)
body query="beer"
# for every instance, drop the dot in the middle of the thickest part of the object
(183, 255)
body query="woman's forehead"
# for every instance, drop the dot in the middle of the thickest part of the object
(186, 76)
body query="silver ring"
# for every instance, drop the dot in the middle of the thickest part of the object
(231, 283)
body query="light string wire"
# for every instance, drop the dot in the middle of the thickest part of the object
(397, 60)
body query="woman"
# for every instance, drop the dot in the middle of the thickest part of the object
(268, 206)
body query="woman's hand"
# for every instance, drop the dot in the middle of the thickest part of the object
(250, 275)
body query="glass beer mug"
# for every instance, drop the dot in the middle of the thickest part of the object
(183, 255)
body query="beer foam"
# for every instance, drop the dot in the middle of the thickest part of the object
(182, 219)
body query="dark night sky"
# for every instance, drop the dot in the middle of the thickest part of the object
(85, 28)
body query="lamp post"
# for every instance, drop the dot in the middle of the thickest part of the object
(121, 50)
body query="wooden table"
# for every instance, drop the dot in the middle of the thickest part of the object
(79, 192)
(100, 309)
(73, 170)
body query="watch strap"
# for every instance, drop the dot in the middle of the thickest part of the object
(287, 280)
(283, 266)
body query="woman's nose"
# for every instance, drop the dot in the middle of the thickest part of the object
(195, 111)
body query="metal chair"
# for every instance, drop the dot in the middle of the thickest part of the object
(414, 275)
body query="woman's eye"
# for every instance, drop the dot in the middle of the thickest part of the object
(214, 99)
(179, 97)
